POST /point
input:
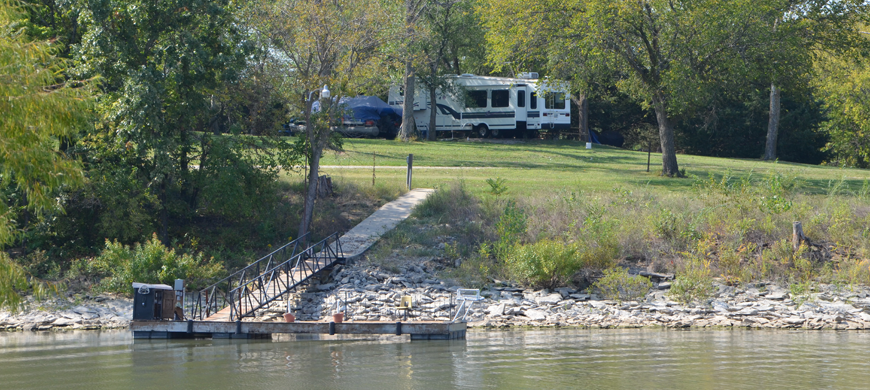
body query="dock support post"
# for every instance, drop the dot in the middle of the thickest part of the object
(331, 328)
(239, 327)
(398, 328)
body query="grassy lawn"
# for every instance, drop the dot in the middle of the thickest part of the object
(543, 233)
(534, 166)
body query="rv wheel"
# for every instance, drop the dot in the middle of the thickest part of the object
(481, 131)
(495, 133)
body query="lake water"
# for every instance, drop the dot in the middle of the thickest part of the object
(533, 359)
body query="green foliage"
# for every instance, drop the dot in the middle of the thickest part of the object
(842, 82)
(617, 284)
(497, 186)
(731, 263)
(550, 263)
(12, 282)
(40, 112)
(509, 229)
(695, 281)
(546, 263)
(478, 269)
(678, 230)
(233, 185)
(668, 58)
(853, 273)
(121, 265)
(161, 65)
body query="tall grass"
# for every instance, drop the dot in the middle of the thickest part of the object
(736, 229)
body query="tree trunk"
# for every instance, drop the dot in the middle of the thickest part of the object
(583, 117)
(772, 124)
(316, 142)
(432, 107)
(408, 103)
(311, 193)
(666, 137)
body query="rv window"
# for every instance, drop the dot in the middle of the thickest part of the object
(555, 101)
(533, 101)
(476, 99)
(501, 98)
(521, 99)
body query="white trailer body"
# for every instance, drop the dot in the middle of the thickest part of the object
(491, 106)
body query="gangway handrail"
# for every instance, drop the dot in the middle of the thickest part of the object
(214, 298)
(277, 281)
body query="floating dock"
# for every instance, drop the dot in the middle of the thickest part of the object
(421, 330)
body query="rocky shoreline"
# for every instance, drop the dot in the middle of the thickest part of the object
(80, 312)
(367, 293)
(371, 295)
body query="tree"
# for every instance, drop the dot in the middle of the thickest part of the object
(844, 83)
(161, 65)
(455, 38)
(413, 10)
(800, 30)
(329, 43)
(663, 53)
(40, 111)
(55, 20)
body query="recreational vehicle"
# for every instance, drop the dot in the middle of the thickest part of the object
(492, 106)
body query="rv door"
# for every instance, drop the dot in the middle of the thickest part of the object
(520, 100)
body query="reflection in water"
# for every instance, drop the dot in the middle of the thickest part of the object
(546, 359)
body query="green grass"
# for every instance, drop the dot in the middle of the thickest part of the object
(736, 226)
(533, 166)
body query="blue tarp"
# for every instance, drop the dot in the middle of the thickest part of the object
(364, 108)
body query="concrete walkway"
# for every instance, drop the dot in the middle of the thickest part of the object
(363, 236)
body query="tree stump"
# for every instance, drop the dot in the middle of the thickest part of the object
(798, 236)
(324, 186)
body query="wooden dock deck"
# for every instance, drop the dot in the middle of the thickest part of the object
(418, 330)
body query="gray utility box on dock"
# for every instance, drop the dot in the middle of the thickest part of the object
(153, 301)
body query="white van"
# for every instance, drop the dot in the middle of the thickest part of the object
(492, 106)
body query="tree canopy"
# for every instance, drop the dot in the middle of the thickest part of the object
(662, 53)
(335, 44)
(166, 67)
(40, 112)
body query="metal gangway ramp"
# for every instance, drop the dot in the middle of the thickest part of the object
(267, 279)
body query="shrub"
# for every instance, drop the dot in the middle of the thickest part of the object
(546, 263)
(121, 265)
(509, 229)
(617, 284)
(731, 263)
(853, 272)
(695, 282)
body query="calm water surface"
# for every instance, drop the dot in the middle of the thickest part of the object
(553, 359)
